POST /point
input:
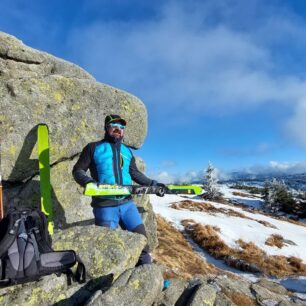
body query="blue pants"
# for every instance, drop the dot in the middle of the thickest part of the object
(126, 213)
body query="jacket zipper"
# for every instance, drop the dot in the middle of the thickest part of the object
(116, 165)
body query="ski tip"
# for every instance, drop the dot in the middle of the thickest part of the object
(41, 125)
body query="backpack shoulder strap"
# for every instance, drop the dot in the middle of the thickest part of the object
(9, 226)
(40, 227)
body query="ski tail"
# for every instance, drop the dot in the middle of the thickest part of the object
(93, 189)
(44, 173)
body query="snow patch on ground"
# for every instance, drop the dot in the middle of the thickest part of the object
(234, 228)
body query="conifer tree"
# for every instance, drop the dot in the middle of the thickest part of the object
(277, 197)
(211, 183)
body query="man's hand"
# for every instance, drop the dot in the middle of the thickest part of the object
(161, 188)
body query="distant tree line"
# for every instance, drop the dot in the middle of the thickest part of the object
(278, 198)
(250, 189)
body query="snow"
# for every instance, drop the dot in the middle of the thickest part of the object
(234, 228)
(249, 201)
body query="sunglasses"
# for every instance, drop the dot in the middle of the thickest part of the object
(119, 125)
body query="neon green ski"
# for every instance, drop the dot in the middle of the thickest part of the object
(44, 172)
(93, 189)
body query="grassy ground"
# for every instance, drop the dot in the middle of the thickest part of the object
(175, 252)
(208, 238)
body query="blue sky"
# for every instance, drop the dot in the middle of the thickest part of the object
(222, 80)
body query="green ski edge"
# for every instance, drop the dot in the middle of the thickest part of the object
(93, 189)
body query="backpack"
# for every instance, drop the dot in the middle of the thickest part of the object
(26, 253)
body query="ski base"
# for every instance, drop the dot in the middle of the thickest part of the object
(93, 189)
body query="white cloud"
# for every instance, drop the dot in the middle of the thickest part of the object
(277, 167)
(177, 178)
(271, 168)
(185, 62)
(164, 177)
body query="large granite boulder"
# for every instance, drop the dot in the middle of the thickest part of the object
(106, 254)
(135, 287)
(36, 87)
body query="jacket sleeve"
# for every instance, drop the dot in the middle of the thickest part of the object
(81, 167)
(138, 176)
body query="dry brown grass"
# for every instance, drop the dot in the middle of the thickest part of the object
(175, 252)
(208, 238)
(275, 240)
(271, 265)
(238, 298)
(211, 209)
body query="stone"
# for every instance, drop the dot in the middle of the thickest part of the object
(106, 254)
(266, 297)
(135, 287)
(70, 206)
(272, 286)
(238, 285)
(104, 251)
(205, 295)
(223, 300)
(171, 295)
(37, 87)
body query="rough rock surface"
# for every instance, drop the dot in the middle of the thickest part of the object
(146, 211)
(136, 287)
(105, 253)
(36, 87)
(172, 294)
(142, 286)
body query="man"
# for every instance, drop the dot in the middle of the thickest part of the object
(112, 162)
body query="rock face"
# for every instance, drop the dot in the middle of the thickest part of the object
(105, 253)
(134, 287)
(143, 286)
(36, 87)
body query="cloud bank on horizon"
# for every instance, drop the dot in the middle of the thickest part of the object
(273, 168)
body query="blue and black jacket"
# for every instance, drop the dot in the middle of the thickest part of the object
(109, 163)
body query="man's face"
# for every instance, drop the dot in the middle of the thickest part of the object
(116, 130)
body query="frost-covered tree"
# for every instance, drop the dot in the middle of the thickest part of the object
(277, 196)
(211, 183)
